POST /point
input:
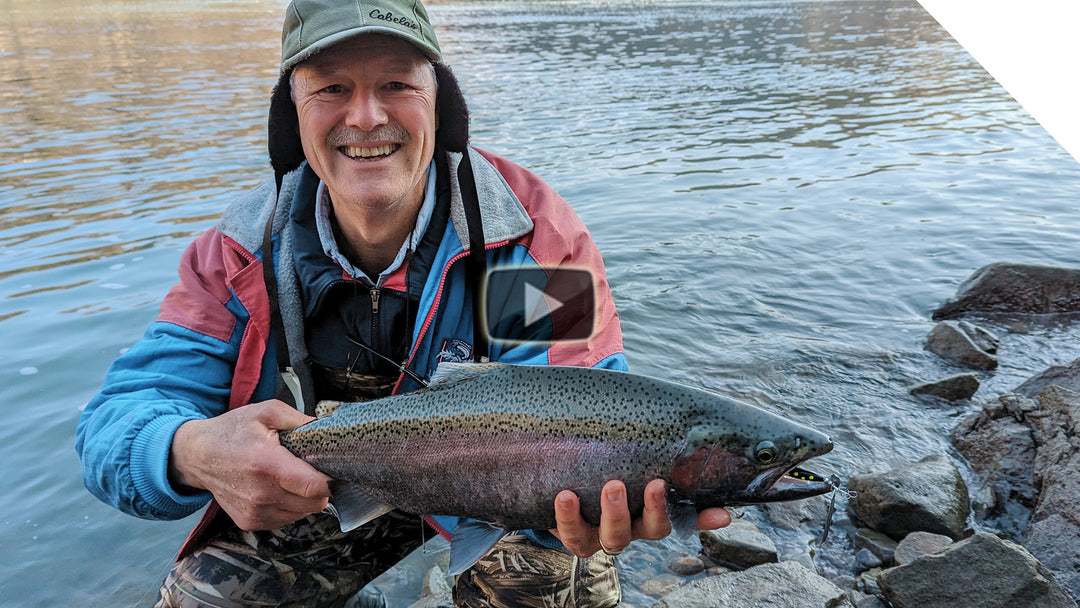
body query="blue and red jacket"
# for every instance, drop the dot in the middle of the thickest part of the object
(210, 349)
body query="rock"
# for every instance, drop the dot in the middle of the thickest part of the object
(982, 571)
(780, 585)
(436, 592)
(862, 600)
(949, 341)
(982, 337)
(877, 543)
(1054, 533)
(661, 584)
(740, 544)
(928, 495)
(686, 565)
(918, 544)
(796, 514)
(865, 560)
(870, 581)
(1001, 451)
(953, 388)
(1015, 288)
(1065, 376)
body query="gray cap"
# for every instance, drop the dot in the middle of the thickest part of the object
(313, 25)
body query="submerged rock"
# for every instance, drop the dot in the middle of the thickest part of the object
(953, 388)
(1015, 288)
(982, 571)
(877, 543)
(740, 544)
(963, 344)
(779, 585)
(928, 495)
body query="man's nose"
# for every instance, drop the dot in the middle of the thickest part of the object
(366, 110)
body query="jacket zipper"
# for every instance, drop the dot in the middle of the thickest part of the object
(376, 343)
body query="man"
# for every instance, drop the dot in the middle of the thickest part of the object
(350, 277)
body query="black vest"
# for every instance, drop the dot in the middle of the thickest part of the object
(342, 315)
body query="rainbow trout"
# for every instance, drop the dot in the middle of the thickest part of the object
(495, 443)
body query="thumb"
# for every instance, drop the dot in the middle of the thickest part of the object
(280, 416)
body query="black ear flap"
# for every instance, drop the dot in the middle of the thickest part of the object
(453, 133)
(283, 132)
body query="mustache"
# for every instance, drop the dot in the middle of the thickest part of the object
(347, 136)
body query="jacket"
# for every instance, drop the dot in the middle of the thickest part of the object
(211, 349)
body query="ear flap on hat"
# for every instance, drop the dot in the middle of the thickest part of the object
(453, 133)
(283, 132)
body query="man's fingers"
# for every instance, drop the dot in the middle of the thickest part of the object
(280, 416)
(615, 524)
(654, 523)
(711, 519)
(576, 535)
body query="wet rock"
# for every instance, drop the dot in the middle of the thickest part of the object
(780, 585)
(928, 495)
(1001, 451)
(982, 571)
(862, 600)
(865, 560)
(869, 581)
(1015, 288)
(1054, 532)
(953, 388)
(740, 544)
(1065, 376)
(950, 341)
(686, 565)
(877, 543)
(1028, 452)
(918, 544)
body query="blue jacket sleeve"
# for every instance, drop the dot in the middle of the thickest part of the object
(170, 376)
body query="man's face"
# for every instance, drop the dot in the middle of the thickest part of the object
(366, 109)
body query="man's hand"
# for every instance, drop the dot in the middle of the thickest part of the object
(237, 457)
(616, 529)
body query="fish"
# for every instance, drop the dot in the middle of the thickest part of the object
(494, 443)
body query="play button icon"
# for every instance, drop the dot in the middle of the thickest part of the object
(535, 304)
(538, 305)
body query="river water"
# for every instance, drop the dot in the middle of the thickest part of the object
(783, 191)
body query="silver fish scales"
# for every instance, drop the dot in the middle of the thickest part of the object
(496, 443)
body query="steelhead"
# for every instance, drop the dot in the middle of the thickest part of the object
(495, 443)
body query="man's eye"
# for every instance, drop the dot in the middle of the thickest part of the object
(397, 86)
(334, 89)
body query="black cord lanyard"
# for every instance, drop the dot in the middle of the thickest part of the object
(476, 263)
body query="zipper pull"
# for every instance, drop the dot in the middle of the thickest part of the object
(374, 300)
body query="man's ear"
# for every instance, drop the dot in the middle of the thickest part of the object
(283, 129)
(451, 113)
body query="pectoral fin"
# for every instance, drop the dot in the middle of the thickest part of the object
(353, 506)
(683, 517)
(471, 541)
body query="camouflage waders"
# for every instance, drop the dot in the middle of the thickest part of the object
(312, 564)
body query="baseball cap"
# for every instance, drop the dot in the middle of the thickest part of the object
(313, 25)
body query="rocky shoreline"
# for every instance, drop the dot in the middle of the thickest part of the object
(918, 535)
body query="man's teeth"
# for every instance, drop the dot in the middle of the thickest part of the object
(357, 152)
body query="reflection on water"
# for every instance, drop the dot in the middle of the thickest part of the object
(782, 191)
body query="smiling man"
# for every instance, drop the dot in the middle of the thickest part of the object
(348, 277)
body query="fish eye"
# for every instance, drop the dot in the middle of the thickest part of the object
(765, 452)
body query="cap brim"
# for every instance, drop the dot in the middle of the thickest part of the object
(429, 51)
